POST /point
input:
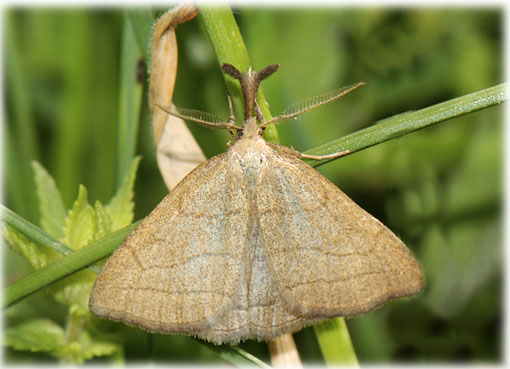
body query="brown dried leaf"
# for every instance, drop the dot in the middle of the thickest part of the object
(177, 151)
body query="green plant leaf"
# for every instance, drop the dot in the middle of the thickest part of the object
(44, 335)
(74, 291)
(104, 222)
(80, 229)
(92, 347)
(80, 224)
(120, 208)
(33, 232)
(51, 207)
(65, 266)
(35, 335)
(18, 243)
(86, 348)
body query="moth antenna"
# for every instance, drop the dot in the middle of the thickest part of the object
(231, 71)
(200, 117)
(250, 82)
(312, 103)
(267, 71)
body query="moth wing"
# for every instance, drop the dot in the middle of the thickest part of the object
(328, 255)
(174, 271)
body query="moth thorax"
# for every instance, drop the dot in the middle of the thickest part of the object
(251, 128)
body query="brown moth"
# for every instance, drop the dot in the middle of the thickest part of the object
(253, 243)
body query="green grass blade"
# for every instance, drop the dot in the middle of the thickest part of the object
(65, 266)
(37, 234)
(405, 123)
(71, 120)
(32, 231)
(229, 48)
(21, 144)
(235, 355)
(335, 343)
(141, 21)
(131, 94)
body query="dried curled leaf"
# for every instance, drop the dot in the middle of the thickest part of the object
(177, 151)
(164, 63)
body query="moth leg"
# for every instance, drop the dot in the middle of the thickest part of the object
(299, 155)
(322, 157)
(231, 118)
(285, 149)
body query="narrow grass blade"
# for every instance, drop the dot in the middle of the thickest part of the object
(36, 234)
(20, 139)
(142, 20)
(131, 94)
(402, 124)
(235, 355)
(65, 266)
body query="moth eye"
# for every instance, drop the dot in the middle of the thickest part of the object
(239, 134)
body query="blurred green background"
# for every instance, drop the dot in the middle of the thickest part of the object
(439, 190)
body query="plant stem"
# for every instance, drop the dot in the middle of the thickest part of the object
(229, 47)
(65, 266)
(36, 234)
(335, 343)
(74, 326)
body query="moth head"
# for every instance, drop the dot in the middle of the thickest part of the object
(250, 82)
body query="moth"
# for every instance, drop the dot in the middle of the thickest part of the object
(253, 243)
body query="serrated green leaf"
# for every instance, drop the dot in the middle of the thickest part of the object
(18, 243)
(80, 224)
(74, 291)
(44, 335)
(104, 222)
(65, 266)
(93, 347)
(80, 229)
(86, 348)
(51, 207)
(120, 208)
(36, 335)
(51, 247)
